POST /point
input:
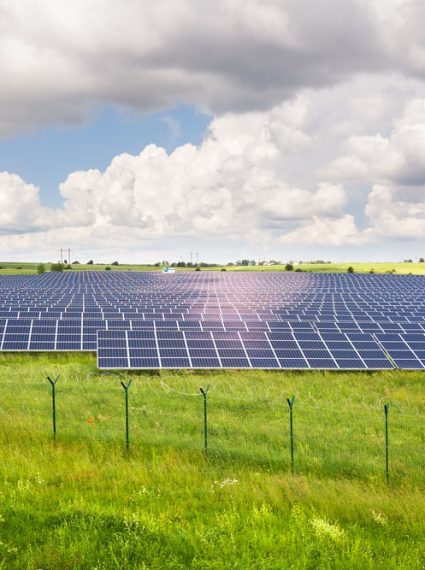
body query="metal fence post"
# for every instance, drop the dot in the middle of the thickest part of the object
(127, 425)
(53, 385)
(291, 431)
(204, 396)
(387, 449)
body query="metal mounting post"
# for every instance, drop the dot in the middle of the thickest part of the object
(291, 431)
(53, 385)
(387, 448)
(204, 393)
(127, 425)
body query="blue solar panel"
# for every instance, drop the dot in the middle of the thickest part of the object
(259, 318)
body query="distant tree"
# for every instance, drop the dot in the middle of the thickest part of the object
(180, 264)
(41, 268)
(75, 263)
(421, 260)
(115, 263)
(58, 267)
(298, 270)
(245, 262)
(157, 264)
(350, 269)
(90, 262)
(289, 267)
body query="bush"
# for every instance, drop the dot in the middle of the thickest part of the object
(58, 267)
(350, 269)
(108, 268)
(90, 262)
(197, 269)
(289, 267)
(223, 269)
(41, 268)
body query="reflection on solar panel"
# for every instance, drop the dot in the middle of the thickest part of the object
(219, 320)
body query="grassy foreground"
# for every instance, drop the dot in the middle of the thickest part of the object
(18, 268)
(84, 502)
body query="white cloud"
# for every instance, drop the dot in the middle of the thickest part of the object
(327, 231)
(232, 187)
(397, 158)
(20, 209)
(391, 214)
(58, 59)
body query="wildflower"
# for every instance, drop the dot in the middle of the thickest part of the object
(379, 518)
(225, 483)
(324, 529)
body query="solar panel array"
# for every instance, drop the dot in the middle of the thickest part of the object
(219, 320)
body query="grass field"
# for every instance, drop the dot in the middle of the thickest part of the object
(18, 268)
(84, 502)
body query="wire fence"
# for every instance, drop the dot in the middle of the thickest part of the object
(371, 442)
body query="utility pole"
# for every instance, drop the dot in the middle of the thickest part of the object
(61, 255)
(69, 256)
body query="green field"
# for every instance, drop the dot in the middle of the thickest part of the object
(85, 502)
(18, 268)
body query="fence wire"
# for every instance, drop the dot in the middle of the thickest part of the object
(250, 428)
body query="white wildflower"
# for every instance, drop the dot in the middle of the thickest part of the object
(326, 530)
(379, 518)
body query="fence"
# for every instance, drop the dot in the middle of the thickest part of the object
(381, 441)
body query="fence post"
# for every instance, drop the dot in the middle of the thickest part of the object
(53, 385)
(387, 449)
(127, 426)
(291, 430)
(204, 396)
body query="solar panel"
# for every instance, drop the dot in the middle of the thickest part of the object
(248, 320)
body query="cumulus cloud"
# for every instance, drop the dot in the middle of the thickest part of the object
(327, 231)
(394, 167)
(397, 158)
(59, 59)
(20, 208)
(228, 185)
(232, 186)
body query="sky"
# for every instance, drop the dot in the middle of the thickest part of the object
(264, 129)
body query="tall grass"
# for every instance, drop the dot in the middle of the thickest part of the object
(84, 502)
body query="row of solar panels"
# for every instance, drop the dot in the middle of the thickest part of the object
(29, 329)
(266, 350)
(153, 347)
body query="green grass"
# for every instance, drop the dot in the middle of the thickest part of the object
(84, 502)
(17, 268)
